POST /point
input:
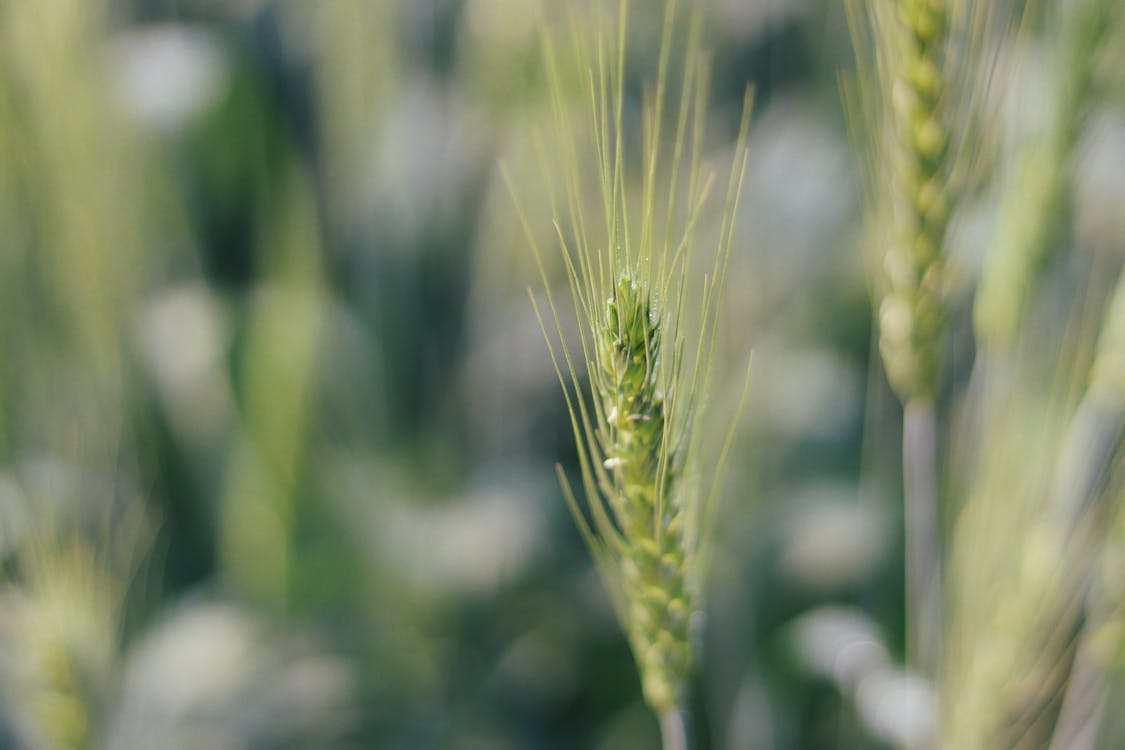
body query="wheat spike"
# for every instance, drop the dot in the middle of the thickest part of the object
(639, 414)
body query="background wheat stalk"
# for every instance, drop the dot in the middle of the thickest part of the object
(1062, 598)
(903, 104)
(916, 104)
(639, 424)
(1086, 498)
(1022, 667)
(1033, 205)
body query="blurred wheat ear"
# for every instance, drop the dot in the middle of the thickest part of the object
(1028, 608)
(920, 70)
(1030, 673)
(1033, 205)
(628, 241)
(66, 594)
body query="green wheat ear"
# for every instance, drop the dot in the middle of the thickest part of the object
(903, 103)
(1033, 205)
(913, 107)
(640, 413)
(655, 564)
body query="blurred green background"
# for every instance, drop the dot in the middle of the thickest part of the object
(278, 426)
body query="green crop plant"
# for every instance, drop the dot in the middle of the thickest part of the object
(640, 413)
(994, 615)
(920, 70)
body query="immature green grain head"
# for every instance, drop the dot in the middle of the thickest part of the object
(628, 249)
(1033, 203)
(65, 592)
(1044, 499)
(654, 565)
(628, 354)
(911, 104)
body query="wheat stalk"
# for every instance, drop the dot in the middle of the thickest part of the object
(1025, 603)
(922, 70)
(1033, 203)
(1031, 213)
(66, 593)
(1085, 492)
(639, 420)
(902, 103)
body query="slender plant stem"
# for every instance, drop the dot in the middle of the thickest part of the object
(923, 555)
(674, 729)
(1084, 704)
(1093, 439)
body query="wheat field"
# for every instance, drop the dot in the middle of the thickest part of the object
(489, 374)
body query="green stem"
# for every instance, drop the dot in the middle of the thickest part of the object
(674, 729)
(923, 555)
(1093, 440)
(1084, 703)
